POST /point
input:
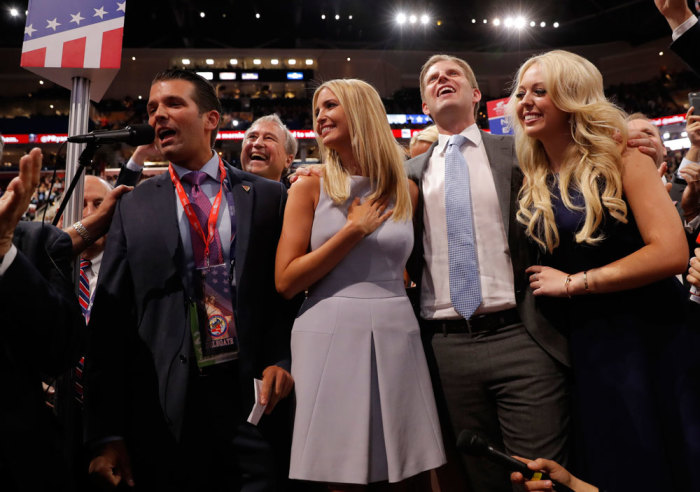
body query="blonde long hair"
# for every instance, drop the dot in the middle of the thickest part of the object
(593, 164)
(374, 147)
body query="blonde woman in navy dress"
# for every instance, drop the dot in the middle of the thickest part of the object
(610, 242)
(365, 408)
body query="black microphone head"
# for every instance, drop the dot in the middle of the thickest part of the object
(140, 134)
(472, 444)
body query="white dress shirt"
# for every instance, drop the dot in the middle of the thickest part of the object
(495, 267)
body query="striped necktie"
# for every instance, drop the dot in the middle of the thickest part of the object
(465, 284)
(84, 299)
(84, 290)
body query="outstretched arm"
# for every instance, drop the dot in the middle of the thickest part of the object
(675, 11)
(555, 471)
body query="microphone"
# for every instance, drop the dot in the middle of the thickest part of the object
(471, 444)
(133, 135)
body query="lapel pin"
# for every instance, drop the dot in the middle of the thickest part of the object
(246, 188)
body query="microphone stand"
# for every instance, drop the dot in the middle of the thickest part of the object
(84, 162)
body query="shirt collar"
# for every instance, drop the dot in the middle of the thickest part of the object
(471, 132)
(96, 262)
(211, 168)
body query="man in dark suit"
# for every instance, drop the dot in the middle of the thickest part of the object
(153, 400)
(686, 31)
(42, 329)
(503, 371)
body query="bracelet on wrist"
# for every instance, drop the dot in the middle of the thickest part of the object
(83, 232)
(567, 281)
(585, 281)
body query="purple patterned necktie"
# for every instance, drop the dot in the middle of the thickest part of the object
(202, 207)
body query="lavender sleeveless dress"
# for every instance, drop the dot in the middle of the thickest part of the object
(365, 408)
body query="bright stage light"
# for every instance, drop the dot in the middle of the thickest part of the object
(508, 22)
(555, 25)
(14, 12)
(424, 19)
(543, 24)
(186, 61)
(210, 61)
(520, 22)
(497, 22)
(401, 19)
(257, 61)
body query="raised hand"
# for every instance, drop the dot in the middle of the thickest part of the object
(15, 201)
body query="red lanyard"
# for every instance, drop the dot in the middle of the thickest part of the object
(192, 216)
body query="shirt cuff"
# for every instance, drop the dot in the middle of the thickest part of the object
(684, 163)
(8, 259)
(687, 24)
(132, 166)
(692, 226)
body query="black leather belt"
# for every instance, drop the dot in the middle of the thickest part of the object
(476, 324)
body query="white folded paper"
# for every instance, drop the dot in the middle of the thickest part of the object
(258, 409)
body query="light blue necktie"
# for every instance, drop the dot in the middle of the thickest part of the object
(465, 285)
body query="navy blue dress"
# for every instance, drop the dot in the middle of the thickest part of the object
(636, 366)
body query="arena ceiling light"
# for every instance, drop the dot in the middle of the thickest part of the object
(257, 61)
(555, 25)
(186, 61)
(412, 19)
(401, 18)
(233, 61)
(292, 61)
(309, 61)
(520, 22)
(496, 21)
(14, 12)
(424, 19)
(209, 61)
(275, 61)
